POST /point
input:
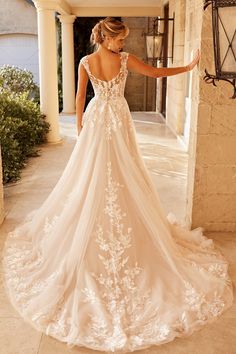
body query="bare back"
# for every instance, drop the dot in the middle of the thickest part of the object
(104, 66)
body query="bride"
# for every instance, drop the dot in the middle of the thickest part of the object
(99, 264)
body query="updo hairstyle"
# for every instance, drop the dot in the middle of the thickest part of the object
(107, 27)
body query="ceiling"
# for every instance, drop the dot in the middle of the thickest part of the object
(113, 3)
(87, 8)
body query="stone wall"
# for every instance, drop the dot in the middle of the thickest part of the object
(204, 117)
(212, 167)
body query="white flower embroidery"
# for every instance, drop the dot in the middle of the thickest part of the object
(120, 287)
(111, 95)
(204, 308)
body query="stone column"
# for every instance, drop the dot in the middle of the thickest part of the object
(68, 75)
(48, 67)
(175, 84)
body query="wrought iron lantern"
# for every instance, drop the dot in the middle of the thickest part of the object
(154, 44)
(155, 40)
(224, 40)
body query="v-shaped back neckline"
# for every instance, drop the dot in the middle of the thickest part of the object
(121, 64)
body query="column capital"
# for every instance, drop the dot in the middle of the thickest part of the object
(45, 4)
(59, 6)
(67, 19)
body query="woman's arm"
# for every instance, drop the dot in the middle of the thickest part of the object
(80, 95)
(138, 66)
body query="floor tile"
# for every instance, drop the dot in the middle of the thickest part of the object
(18, 337)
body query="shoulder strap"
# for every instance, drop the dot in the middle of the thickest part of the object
(125, 56)
(84, 61)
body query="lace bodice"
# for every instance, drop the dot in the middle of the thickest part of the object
(113, 88)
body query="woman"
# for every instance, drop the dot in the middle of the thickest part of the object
(108, 35)
(100, 265)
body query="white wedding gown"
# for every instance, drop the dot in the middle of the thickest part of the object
(99, 264)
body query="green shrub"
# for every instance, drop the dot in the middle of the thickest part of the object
(22, 125)
(18, 80)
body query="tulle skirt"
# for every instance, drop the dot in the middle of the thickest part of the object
(99, 264)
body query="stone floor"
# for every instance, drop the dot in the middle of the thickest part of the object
(167, 161)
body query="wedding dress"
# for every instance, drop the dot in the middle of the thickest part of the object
(99, 264)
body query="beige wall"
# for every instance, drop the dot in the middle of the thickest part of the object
(17, 16)
(214, 134)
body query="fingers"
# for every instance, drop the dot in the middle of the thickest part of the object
(196, 58)
(197, 55)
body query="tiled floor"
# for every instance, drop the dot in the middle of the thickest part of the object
(167, 161)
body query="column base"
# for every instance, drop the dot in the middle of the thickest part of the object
(66, 113)
(59, 141)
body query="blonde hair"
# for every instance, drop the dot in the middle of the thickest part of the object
(108, 27)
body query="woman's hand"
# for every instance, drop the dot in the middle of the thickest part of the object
(194, 61)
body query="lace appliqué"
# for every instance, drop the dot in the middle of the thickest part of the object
(198, 303)
(17, 259)
(120, 292)
(217, 269)
(113, 88)
(109, 102)
(119, 289)
(19, 255)
(112, 118)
